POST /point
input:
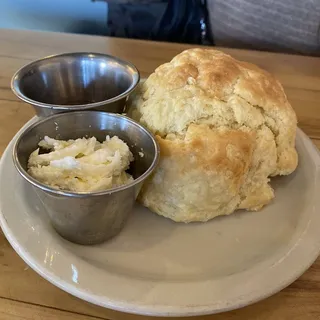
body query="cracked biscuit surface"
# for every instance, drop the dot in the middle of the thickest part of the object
(224, 128)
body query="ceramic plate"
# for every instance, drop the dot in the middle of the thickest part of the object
(158, 267)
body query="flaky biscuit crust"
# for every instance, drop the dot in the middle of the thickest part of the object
(224, 127)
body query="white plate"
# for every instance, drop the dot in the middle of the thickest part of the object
(158, 267)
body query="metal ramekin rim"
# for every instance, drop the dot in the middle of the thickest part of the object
(78, 107)
(46, 188)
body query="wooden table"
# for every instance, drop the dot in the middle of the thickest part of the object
(23, 293)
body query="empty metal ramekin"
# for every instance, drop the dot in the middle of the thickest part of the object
(75, 81)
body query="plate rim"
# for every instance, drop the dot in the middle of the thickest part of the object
(156, 310)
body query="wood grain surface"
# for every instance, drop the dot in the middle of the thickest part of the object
(23, 293)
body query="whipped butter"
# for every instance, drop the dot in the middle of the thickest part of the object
(81, 165)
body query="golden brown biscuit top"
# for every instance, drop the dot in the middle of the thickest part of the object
(206, 86)
(220, 76)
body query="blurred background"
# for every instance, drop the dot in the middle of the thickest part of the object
(74, 16)
(291, 26)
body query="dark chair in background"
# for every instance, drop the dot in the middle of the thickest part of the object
(183, 21)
